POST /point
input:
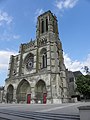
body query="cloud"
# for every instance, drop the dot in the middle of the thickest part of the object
(72, 65)
(65, 4)
(38, 12)
(4, 58)
(16, 37)
(8, 36)
(4, 64)
(87, 61)
(6, 27)
(75, 65)
(5, 18)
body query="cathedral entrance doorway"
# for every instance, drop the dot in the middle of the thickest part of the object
(23, 90)
(40, 92)
(28, 98)
(10, 94)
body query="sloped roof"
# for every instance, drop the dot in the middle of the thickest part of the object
(77, 73)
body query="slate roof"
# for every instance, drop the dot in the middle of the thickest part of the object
(77, 73)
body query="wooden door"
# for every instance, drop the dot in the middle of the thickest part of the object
(28, 98)
(44, 98)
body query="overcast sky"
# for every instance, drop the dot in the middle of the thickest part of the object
(18, 25)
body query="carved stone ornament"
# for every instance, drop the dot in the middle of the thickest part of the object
(29, 64)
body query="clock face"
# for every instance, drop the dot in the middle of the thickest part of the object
(29, 65)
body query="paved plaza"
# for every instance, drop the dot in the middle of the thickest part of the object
(67, 111)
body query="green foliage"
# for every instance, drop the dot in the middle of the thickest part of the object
(83, 84)
(86, 69)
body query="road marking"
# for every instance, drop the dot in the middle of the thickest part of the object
(56, 108)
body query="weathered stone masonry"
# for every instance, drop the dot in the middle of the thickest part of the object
(37, 74)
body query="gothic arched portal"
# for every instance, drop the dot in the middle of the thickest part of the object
(40, 92)
(23, 90)
(9, 95)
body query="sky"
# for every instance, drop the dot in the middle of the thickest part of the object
(18, 25)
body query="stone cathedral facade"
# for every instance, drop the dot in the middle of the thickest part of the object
(38, 74)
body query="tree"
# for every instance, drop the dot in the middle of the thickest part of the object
(86, 69)
(83, 85)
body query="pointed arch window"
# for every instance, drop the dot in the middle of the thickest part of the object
(43, 58)
(46, 24)
(53, 26)
(42, 26)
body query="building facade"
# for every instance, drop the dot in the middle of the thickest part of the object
(1, 94)
(38, 74)
(71, 80)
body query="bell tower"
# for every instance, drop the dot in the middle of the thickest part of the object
(47, 23)
(47, 36)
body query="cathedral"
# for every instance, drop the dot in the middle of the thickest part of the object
(37, 74)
